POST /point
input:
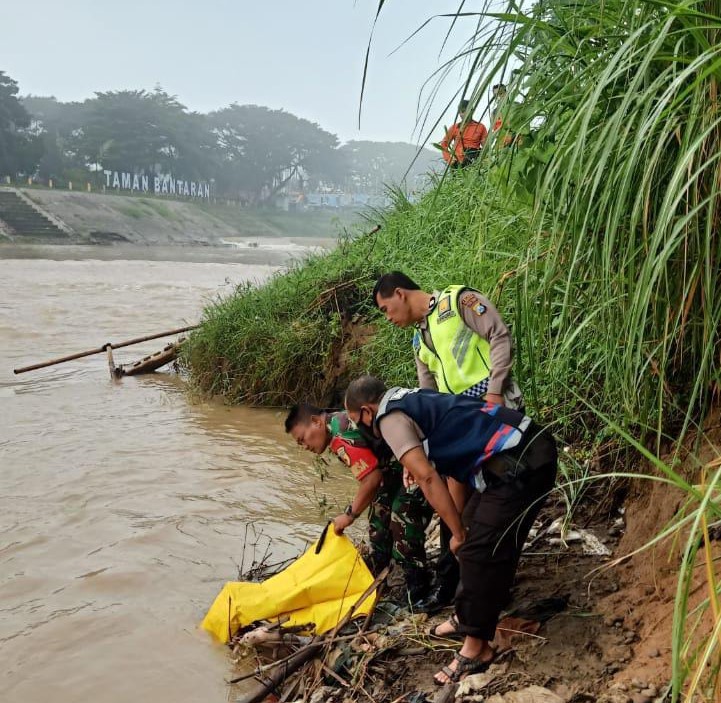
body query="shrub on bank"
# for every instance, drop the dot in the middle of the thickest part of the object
(308, 330)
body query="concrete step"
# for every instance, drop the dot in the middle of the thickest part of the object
(23, 220)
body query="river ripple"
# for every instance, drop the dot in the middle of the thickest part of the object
(124, 506)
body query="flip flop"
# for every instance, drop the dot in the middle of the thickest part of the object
(466, 666)
(433, 631)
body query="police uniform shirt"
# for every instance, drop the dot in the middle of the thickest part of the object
(401, 433)
(480, 315)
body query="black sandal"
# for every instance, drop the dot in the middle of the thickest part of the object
(433, 631)
(465, 667)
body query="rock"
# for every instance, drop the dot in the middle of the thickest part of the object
(564, 692)
(651, 691)
(637, 683)
(532, 694)
(474, 683)
(640, 698)
(654, 653)
(613, 697)
(613, 620)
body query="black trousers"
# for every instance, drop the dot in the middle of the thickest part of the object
(447, 569)
(498, 521)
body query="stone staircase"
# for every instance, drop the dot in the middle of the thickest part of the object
(22, 220)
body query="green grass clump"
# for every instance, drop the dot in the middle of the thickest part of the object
(290, 340)
(131, 210)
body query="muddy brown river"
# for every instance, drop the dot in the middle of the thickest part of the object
(124, 506)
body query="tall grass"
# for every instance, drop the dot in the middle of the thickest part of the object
(292, 340)
(616, 104)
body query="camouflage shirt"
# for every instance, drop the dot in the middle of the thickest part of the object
(354, 450)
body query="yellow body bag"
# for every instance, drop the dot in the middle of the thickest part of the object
(319, 587)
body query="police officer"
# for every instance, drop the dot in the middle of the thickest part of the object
(398, 515)
(461, 346)
(499, 467)
(461, 343)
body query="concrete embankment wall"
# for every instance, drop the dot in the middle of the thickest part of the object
(108, 218)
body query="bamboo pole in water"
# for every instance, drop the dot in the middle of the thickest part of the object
(100, 350)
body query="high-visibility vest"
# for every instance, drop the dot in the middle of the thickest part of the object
(461, 358)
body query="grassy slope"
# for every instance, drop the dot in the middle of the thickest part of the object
(279, 344)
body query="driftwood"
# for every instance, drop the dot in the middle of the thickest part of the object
(104, 348)
(152, 362)
(305, 654)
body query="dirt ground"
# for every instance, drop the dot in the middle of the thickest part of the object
(610, 644)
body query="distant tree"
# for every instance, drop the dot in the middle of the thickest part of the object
(261, 149)
(137, 130)
(372, 165)
(57, 124)
(20, 150)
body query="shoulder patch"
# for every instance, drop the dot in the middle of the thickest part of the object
(401, 392)
(417, 341)
(342, 454)
(472, 301)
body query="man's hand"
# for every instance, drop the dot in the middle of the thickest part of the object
(408, 479)
(494, 399)
(341, 522)
(457, 542)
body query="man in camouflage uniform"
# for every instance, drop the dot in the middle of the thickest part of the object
(398, 516)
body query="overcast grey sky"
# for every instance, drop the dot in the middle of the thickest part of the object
(306, 57)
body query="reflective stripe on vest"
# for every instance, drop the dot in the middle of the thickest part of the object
(462, 358)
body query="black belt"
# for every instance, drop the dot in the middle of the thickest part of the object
(537, 448)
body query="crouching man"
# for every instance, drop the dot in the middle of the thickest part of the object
(398, 515)
(500, 467)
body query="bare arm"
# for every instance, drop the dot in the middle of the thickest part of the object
(435, 491)
(425, 377)
(459, 493)
(367, 489)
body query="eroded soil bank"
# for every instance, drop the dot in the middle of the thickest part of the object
(610, 643)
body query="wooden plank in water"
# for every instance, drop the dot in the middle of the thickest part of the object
(153, 362)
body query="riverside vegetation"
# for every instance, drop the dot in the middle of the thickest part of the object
(596, 233)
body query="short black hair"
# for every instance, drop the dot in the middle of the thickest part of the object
(388, 282)
(463, 105)
(301, 414)
(363, 390)
(499, 86)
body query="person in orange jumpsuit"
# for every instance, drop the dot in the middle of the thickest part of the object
(464, 140)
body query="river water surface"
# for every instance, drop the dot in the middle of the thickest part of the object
(124, 506)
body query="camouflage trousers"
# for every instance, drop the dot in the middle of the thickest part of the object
(397, 522)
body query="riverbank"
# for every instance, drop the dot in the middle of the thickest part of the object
(309, 330)
(579, 629)
(98, 218)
